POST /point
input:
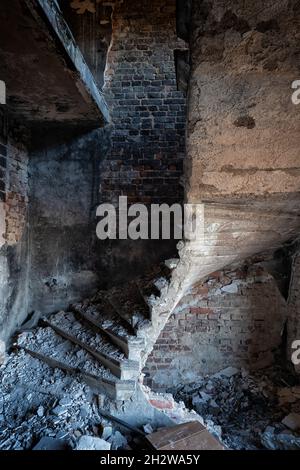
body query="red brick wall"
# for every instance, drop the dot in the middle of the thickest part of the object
(234, 318)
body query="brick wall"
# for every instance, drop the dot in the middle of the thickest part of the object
(16, 200)
(13, 188)
(148, 112)
(13, 214)
(235, 318)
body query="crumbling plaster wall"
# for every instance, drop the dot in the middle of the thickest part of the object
(243, 127)
(234, 318)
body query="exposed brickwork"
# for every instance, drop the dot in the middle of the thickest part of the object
(16, 199)
(148, 112)
(13, 181)
(13, 215)
(235, 318)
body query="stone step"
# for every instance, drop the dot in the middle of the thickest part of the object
(119, 366)
(130, 345)
(114, 389)
(48, 343)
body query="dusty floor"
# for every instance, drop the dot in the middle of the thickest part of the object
(37, 401)
(246, 410)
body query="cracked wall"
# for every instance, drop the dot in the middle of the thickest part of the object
(243, 127)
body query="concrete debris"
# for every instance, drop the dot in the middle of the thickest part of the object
(172, 263)
(107, 432)
(161, 283)
(39, 402)
(148, 429)
(241, 408)
(292, 421)
(232, 288)
(118, 441)
(40, 411)
(59, 410)
(280, 441)
(92, 443)
(2, 352)
(228, 372)
(289, 395)
(49, 443)
(65, 402)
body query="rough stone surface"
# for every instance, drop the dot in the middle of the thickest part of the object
(92, 443)
(292, 421)
(243, 126)
(293, 326)
(242, 144)
(245, 411)
(49, 443)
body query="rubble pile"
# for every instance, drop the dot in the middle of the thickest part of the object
(247, 411)
(46, 401)
(44, 408)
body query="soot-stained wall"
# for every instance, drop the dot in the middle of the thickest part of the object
(13, 226)
(136, 54)
(63, 181)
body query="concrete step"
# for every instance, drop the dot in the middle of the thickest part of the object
(130, 345)
(45, 341)
(114, 389)
(119, 366)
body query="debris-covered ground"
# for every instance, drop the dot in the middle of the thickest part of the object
(39, 402)
(42, 407)
(248, 411)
